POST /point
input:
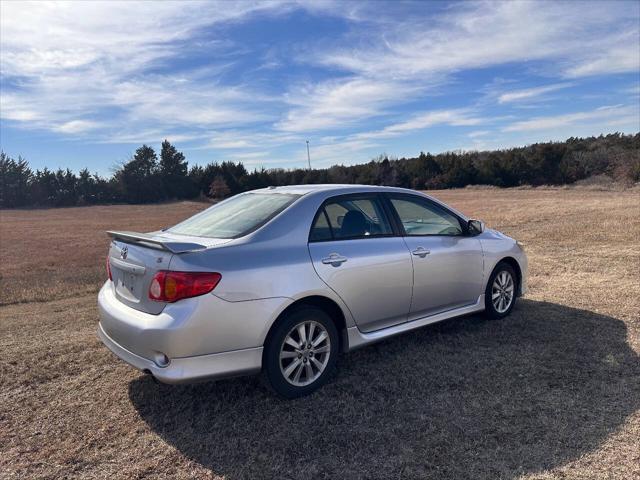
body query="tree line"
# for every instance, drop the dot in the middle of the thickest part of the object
(147, 178)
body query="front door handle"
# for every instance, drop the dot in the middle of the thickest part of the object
(421, 252)
(334, 259)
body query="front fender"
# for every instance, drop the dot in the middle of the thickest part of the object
(496, 247)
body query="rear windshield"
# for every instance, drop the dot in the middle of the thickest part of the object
(235, 217)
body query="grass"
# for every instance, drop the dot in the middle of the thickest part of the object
(551, 392)
(56, 253)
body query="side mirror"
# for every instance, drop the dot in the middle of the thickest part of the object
(476, 227)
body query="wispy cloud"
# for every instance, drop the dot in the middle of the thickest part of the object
(454, 118)
(615, 53)
(339, 102)
(66, 71)
(401, 60)
(76, 126)
(478, 133)
(607, 115)
(481, 34)
(529, 93)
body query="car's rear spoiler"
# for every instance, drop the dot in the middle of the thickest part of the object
(156, 242)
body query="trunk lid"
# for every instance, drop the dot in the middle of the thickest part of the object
(134, 259)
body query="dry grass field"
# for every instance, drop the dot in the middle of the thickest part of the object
(551, 392)
(58, 253)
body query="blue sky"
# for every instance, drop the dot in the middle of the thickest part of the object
(85, 84)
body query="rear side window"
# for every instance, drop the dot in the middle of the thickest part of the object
(349, 218)
(321, 229)
(235, 217)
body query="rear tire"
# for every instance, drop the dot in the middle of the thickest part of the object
(501, 292)
(301, 352)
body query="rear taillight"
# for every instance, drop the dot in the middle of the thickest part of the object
(168, 286)
(109, 269)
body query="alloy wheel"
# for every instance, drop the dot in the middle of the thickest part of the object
(502, 291)
(304, 353)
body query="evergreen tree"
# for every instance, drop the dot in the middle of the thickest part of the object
(233, 174)
(173, 171)
(86, 188)
(14, 181)
(65, 188)
(139, 178)
(44, 188)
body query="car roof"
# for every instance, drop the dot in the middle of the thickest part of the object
(331, 187)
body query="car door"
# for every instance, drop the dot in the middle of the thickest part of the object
(356, 252)
(447, 262)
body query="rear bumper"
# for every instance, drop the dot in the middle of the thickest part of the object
(191, 369)
(203, 337)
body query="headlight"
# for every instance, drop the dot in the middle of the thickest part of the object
(520, 244)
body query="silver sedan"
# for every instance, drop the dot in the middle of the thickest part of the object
(282, 280)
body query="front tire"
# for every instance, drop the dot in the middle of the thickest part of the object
(500, 294)
(301, 353)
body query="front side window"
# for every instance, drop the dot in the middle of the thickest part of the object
(235, 217)
(420, 217)
(348, 218)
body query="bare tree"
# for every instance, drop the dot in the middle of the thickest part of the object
(219, 188)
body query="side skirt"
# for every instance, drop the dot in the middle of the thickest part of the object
(359, 339)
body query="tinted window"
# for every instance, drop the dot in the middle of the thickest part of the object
(235, 217)
(350, 218)
(420, 217)
(321, 229)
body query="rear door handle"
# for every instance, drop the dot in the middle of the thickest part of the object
(421, 252)
(334, 259)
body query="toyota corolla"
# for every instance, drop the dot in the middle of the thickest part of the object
(283, 280)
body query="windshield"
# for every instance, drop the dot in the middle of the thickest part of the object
(235, 217)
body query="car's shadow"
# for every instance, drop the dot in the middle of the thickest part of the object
(468, 398)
